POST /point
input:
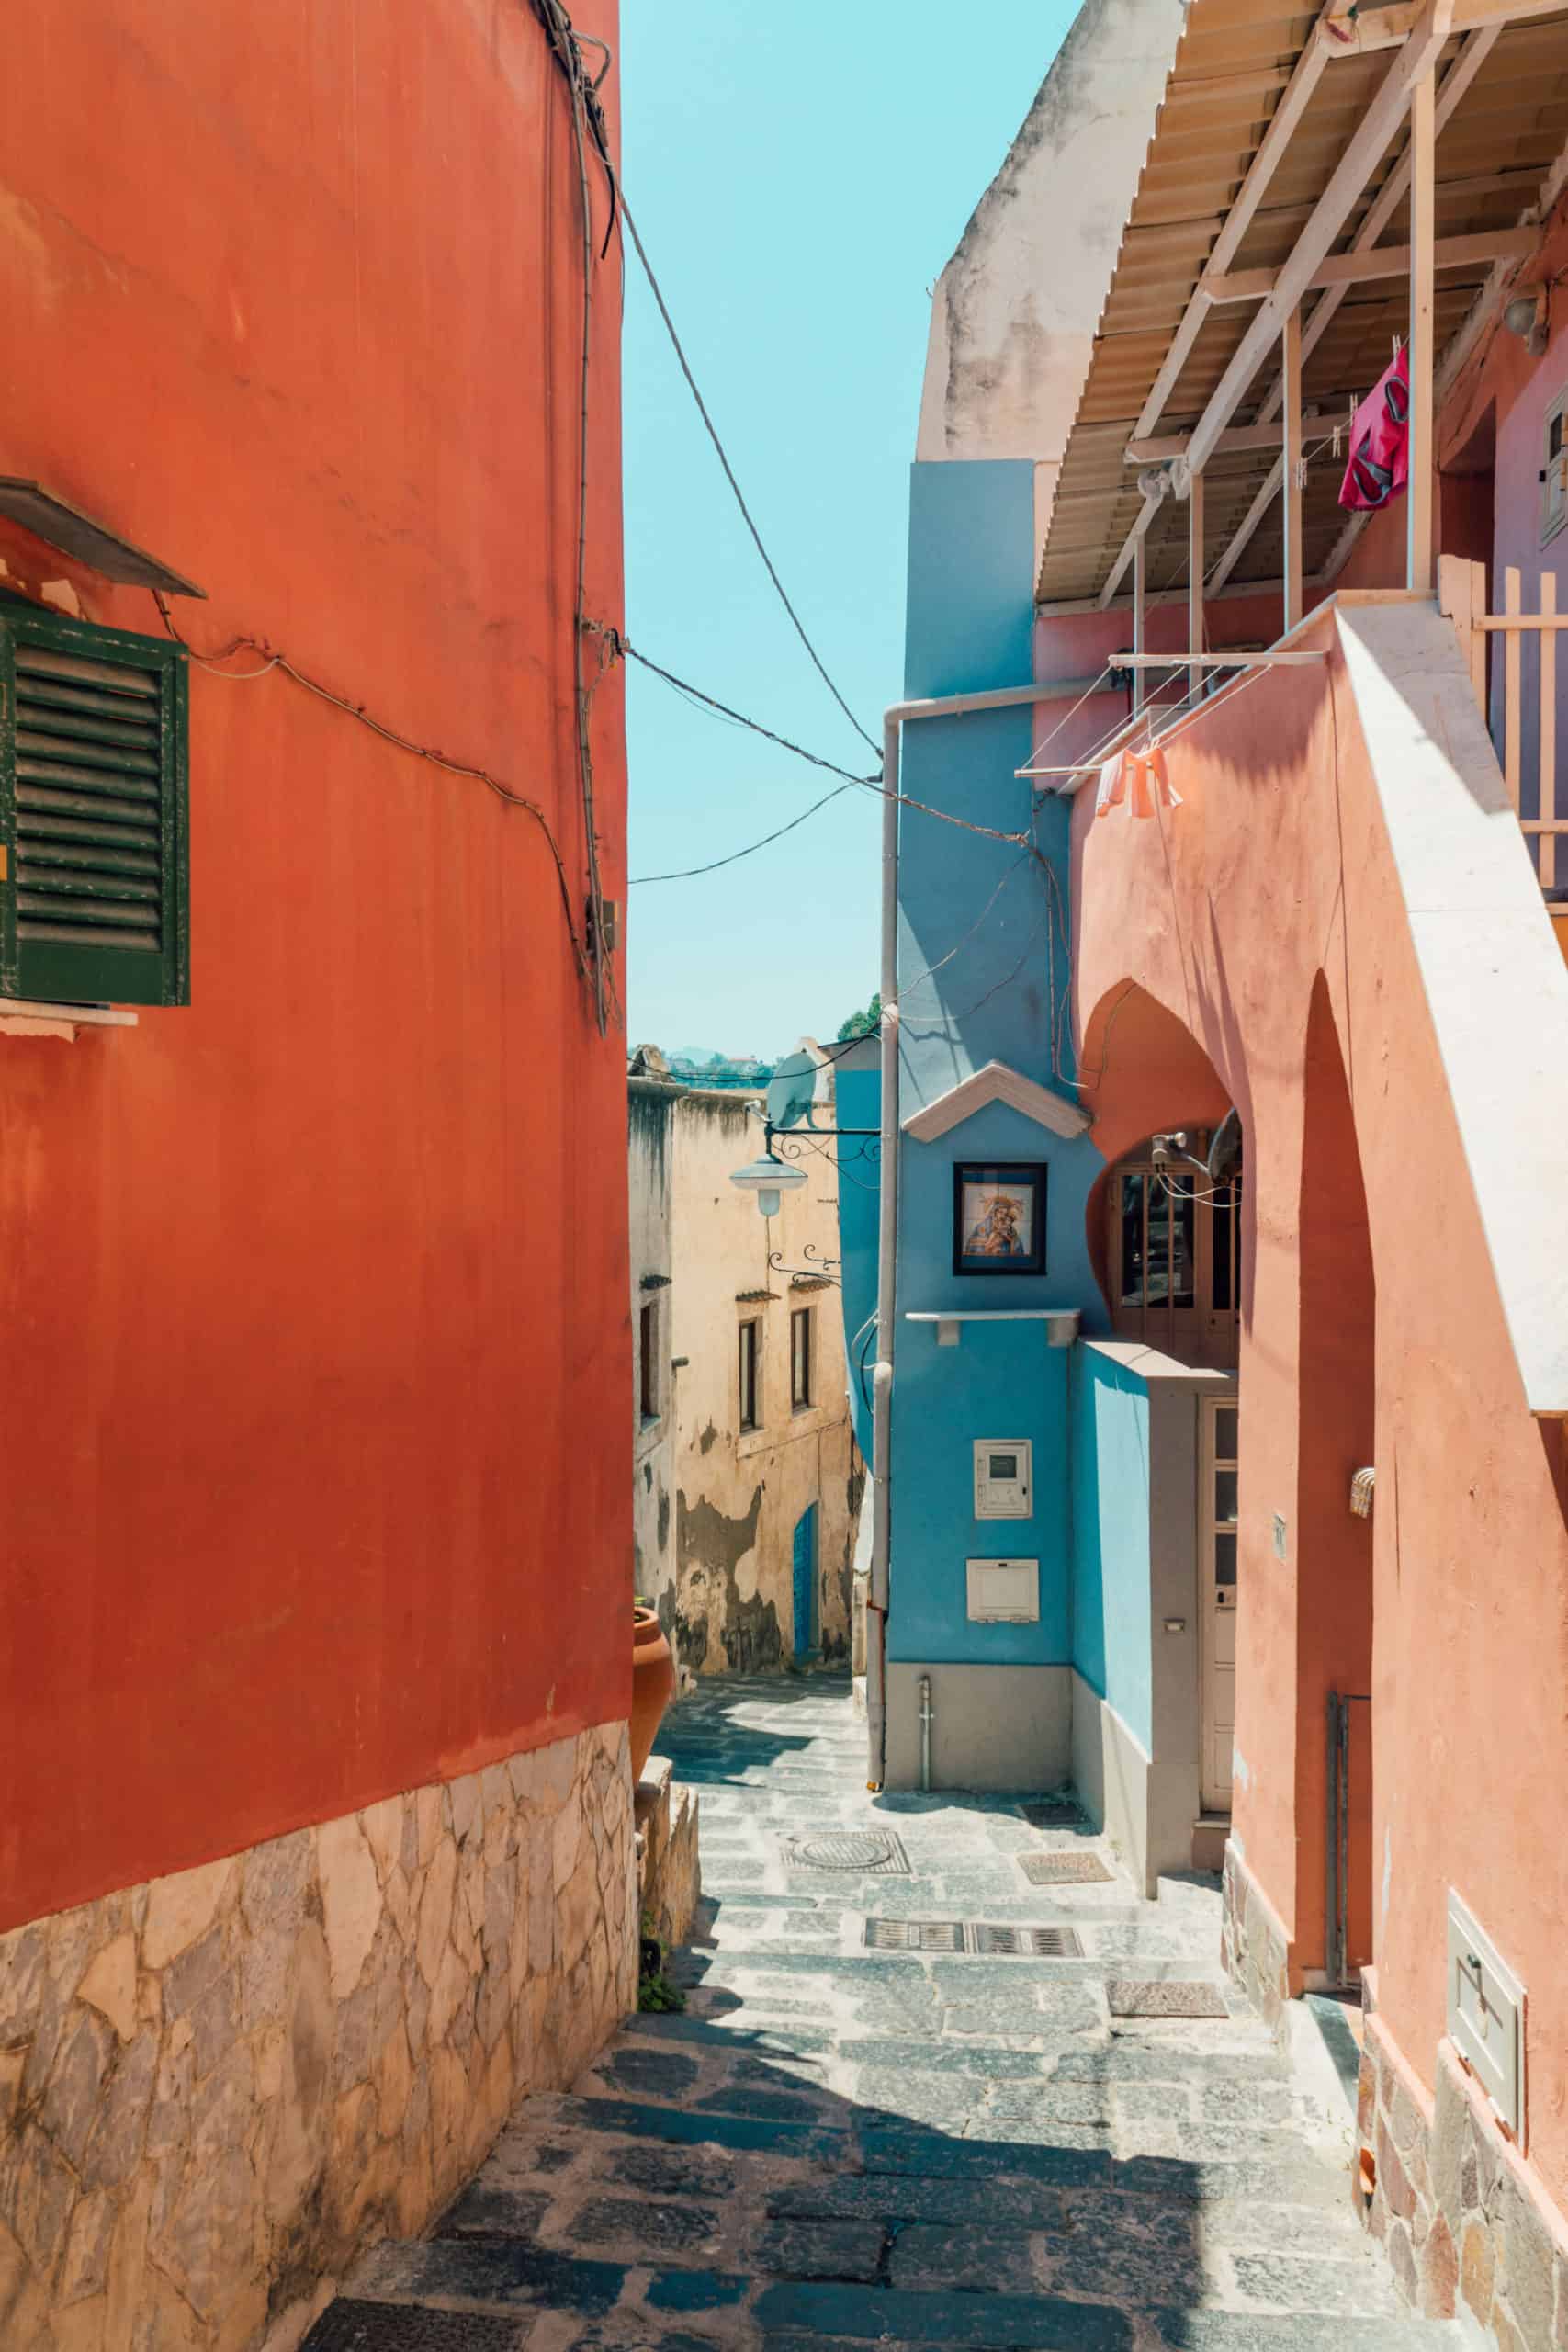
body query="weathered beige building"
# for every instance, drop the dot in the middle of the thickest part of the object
(746, 1472)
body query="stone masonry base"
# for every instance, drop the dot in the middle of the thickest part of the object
(1463, 2218)
(670, 1880)
(216, 2088)
(1253, 1943)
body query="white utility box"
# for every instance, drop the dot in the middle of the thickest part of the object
(1003, 1593)
(1486, 2016)
(1004, 1477)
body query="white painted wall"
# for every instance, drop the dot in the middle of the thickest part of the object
(1014, 313)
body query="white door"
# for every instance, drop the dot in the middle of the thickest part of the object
(1216, 1573)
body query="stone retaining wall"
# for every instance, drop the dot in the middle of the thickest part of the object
(1465, 2223)
(216, 2088)
(1253, 1943)
(670, 1877)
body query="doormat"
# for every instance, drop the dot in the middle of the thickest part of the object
(972, 1936)
(872, 1852)
(351, 2325)
(1061, 1870)
(1052, 1813)
(1166, 1999)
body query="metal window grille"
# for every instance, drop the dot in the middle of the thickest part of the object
(800, 1363)
(751, 1376)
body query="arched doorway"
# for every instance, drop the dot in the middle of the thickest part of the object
(1173, 1250)
(1332, 1540)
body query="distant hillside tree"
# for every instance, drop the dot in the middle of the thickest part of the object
(863, 1024)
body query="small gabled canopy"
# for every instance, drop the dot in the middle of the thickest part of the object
(996, 1083)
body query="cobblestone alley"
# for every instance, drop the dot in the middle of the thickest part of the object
(837, 2144)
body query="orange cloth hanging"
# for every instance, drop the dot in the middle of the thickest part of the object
(1166, 792)
(1139, 778)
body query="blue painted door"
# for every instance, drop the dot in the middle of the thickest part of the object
(805, 1582)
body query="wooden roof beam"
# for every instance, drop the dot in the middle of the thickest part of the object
(1387, 28)
(1395, 188)
(1265, 435)
(1379, 261)
(1380, 124)
(1305, 76)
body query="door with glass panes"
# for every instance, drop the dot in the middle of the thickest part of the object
(1175, 1259)
(1216, 1590)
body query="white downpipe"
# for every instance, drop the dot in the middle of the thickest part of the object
(893, 719)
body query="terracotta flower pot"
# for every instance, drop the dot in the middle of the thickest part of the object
(653, 1685)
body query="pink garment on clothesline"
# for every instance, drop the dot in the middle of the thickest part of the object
(1379, 441)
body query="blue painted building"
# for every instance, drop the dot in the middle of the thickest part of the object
(1030, 1649)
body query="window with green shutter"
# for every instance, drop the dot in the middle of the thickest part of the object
(94, 861)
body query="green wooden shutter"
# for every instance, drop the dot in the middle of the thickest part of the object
(93, 813)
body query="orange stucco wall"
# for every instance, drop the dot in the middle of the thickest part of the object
(1265, 916)
(313, 1295)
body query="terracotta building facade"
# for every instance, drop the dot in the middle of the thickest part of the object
(315, 1809)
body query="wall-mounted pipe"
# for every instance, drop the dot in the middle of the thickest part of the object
(892, 720)
(926, 1733)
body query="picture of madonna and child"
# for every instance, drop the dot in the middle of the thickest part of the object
(1002, 1228)
(996, 1224)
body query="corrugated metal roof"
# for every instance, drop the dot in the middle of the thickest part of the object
(1233, 62)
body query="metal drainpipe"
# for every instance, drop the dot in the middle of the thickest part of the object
(893, 719)
(925, 1734)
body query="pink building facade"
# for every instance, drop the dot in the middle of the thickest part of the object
(1340, 924)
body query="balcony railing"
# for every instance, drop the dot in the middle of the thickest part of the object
(1518, 697)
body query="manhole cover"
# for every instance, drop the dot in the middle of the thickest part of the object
(870, 1851)
(971, 1936)
(1059, 1870)
(1052, 1813)
(1167, 2000)
(350, 2326)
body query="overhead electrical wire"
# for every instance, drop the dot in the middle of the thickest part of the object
(637, 881)
(723, 456)
(873, 784)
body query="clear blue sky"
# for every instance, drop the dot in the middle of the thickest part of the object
(800, 175)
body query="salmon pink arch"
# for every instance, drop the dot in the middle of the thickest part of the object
(1286, 939)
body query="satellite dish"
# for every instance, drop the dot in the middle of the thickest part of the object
(1224, 1151)
(792, 1090)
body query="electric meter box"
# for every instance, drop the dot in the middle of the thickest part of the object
(1004, 1477)
(1002, 1592)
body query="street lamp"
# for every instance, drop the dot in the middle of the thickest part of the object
(768, 1177)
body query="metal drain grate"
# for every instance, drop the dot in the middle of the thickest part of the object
(1167, 1999)
(350, 2326)
(914, 1935)
(973, 1936)
(872, 1852)
(1052, 1813)
(1061, 1870)
(1034, 1943)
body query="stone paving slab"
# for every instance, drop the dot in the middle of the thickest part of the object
(836, 2146)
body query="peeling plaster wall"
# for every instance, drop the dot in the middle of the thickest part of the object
(1015, 310)
(651, 1106)
(739, 1494)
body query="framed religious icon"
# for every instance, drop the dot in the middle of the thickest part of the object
(998, 1217)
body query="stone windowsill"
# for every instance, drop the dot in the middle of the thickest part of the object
(23, 1017)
